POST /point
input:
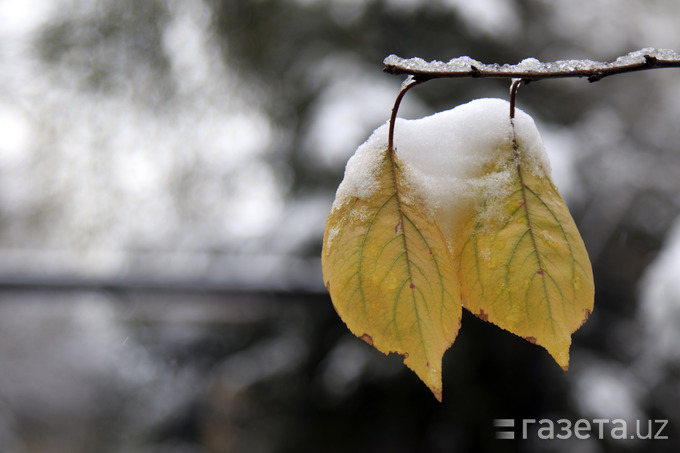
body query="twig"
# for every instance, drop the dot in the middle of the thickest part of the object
(531, 69)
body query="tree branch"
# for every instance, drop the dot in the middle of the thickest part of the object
(531, 69)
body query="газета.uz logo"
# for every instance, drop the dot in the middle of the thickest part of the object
(599, 428)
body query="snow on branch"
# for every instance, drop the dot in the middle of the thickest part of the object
(532, 69)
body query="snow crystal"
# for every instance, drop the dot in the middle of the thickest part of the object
(529, 64)
(392, 60)
(461, 64)
(449, 156)
(639, 56)
(577, 65)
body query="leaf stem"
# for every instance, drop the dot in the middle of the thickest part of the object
(409, 83)
(513, 95)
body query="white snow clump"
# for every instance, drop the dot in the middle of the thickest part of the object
(449, 157)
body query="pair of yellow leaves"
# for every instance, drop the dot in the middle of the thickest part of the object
(399, 282)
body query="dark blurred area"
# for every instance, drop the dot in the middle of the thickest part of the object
(166, 168)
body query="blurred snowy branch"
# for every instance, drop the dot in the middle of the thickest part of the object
(531, 69)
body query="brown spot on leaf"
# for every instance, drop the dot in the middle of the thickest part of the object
(531, 339)
(412, 286)
(430, 250)
(483, 316)
(565, 367)
(540, 272)
(367, 338)
(521, 203)
(587, 313)
(397, 228)
(328, 286)
(403, 355)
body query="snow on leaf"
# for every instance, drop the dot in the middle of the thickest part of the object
(526, 269)
(390, 272)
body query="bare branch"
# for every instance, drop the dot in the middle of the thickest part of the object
(531, 69)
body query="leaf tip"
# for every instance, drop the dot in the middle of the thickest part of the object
(434, 382)
(437, 394)
(561, 357)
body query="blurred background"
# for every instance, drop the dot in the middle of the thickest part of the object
(166, 168)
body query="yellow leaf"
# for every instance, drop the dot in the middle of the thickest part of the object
(522, 263)
(391, 275)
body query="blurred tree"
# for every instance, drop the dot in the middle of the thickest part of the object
(188, 128)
